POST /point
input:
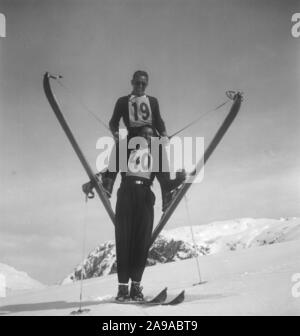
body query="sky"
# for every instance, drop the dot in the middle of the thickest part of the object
(193, 51)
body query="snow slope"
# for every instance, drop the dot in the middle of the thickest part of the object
(16, 281)
(177, 244)
(254, 281)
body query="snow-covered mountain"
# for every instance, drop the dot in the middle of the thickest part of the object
(15, 281)
(102, 260)
(239, 233)
(178, 244)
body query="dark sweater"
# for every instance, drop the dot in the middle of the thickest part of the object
(121, 111)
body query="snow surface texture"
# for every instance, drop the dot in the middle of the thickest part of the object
(177, 244)
(255, 281)
(16, 281)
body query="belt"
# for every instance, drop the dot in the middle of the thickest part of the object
(129, 179)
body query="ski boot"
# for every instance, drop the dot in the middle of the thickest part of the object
(123, 293)
(173, 188)
(107, 183)
(136, 291)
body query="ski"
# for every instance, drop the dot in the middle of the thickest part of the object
(237, 98)
(176, 300)
(158, 299)
(80, 311)
(53, 103)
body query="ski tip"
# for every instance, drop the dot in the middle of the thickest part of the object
(160, 297)
(165, 291)
(176, 300)
(180, 297)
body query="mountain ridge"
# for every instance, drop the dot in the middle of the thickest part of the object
(177, 244)
(13, 281)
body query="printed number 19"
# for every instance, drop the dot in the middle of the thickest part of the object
(143, 108)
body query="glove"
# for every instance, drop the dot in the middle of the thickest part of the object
(87, 188)
(116, 136)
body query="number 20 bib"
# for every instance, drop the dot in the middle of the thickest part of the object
(140, 113)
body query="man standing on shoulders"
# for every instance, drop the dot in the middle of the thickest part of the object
(138, 110)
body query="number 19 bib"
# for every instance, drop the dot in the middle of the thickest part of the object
(140, 113)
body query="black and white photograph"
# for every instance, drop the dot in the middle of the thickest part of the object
(149, 160)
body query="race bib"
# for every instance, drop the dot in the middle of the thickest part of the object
(140, 113)
(140, 163)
